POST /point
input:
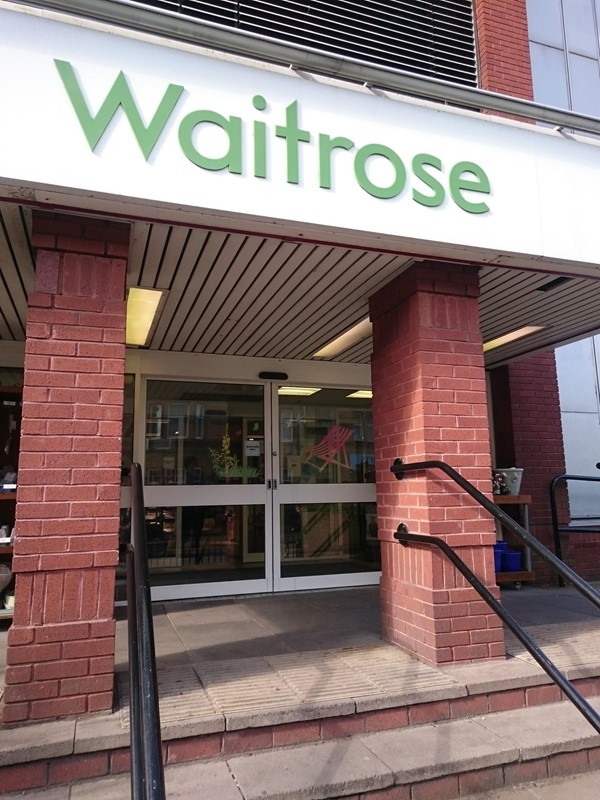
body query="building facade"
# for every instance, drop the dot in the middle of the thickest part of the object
(311, 220)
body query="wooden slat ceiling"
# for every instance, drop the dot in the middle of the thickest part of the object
(246, 295)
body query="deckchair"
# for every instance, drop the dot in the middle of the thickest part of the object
(327, 450)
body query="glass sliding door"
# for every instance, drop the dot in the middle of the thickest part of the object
(248, 489)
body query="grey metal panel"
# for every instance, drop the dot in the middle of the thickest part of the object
(580, 27)
(576, 370)
(585, 84)
(544, 20)
(581, 433)
(427, 37)
(549, 71)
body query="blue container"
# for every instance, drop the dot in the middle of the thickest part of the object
(497, 560)
(499, 548)
(511, 561)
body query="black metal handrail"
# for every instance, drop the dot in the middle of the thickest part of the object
(556, 527)
(147, 773)
(399, 468)
(404, 537)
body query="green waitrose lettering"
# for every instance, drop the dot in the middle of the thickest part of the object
(466, 182)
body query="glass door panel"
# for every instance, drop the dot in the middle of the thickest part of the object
(326, 437)
(328, 538)
(326, 497)
(205, 476)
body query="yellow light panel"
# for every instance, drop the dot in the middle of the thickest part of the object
(346, 340)
(142, 305)
(511, 337)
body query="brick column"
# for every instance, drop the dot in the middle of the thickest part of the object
(538, 446)
(503, 47)
(429, 402)
(60, 653)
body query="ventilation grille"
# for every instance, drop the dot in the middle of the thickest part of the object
(426, 37)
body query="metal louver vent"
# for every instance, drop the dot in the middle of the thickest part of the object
(433, 38)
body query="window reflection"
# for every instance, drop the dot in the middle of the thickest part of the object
(319, 538)
(202, 543)
(204, 433)
(326, 438)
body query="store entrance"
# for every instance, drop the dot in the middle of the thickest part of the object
(257, 488)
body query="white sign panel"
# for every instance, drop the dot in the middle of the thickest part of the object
(98, 112)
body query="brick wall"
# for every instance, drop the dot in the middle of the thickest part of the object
(61, 644)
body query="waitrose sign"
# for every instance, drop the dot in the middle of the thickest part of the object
(97, 118)
(421, 176)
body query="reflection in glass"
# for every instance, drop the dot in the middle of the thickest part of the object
(189, 544)
(204, 433)
(329, 538)
(326, 438)
(127, 439)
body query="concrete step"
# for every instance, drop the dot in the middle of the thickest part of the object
(447, 759)
(214, 708)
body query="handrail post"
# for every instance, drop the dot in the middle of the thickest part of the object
(147, 706)
(565, 477)
(135, 713)
(554, 515)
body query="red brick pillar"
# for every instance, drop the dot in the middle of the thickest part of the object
(61, 645)
(429, 402)
(503, 47)
(538, 446)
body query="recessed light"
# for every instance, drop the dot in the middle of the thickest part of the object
(297, 391)
(346, 340)
(142, 305)
(511, 337)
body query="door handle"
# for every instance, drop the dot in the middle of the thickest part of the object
(271, 484)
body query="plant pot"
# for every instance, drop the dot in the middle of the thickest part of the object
(513, 478)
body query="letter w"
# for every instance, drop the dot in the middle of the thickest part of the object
(119, 95)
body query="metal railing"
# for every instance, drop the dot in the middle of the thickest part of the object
(404, 537)
(399, 468)
(147, 774)
(557, 528)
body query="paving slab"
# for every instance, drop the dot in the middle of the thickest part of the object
(567, 645)
(494, 676)
(100, 732)
(54, 793)
(182, 699)
(245, 685)
(321, 676)
(540, 731)
(578, 787)
(117, 787)
(326, 769)
(430, 751)
(35, 741)
(301, 712)
(212, 781)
